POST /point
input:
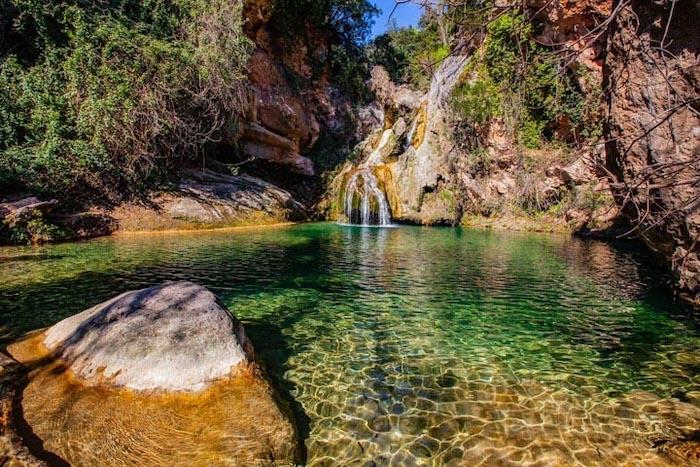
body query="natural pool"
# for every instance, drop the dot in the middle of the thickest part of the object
(417, 345)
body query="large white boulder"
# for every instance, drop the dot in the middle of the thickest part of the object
(176, 336)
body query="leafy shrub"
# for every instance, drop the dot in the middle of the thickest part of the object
(514, 77)
(480, 161)
(32, 229)
(345, 22)
(478, 100)
(520, 66)
(410, 55)
(528, 196)
(118, 93)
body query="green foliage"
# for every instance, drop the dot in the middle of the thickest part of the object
(331, 150)
(477, 100)
(531, 132)
(480, 162)
(350, 71)
(119, 92)
(518, 65)
(349, 20)
(347, 24)
(587, 198)
(385, 51)
(523, 82)
(409, 54)
(33, 229)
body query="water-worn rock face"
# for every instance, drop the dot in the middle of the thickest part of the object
(653, 113)
(175, 336)
(423, 172)
(412, 160)
(288, 103)
(140, 380)
(212, 199)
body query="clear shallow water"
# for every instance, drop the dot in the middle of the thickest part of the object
(415, 345)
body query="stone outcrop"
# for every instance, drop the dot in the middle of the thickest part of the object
(396, 98)
(206, 198)
(289, 102)
(31, 220)
(261, 143)
(146, 376)
(175, 336)
(653, 129)
(16, 211)
(423, 171)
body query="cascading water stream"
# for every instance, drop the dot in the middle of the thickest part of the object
(365, 203)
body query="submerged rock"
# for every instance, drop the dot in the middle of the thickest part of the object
(152, 374)
(12, 451)
(175, 336)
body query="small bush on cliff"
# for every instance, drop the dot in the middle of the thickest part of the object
(98, 98)
(526, 84)
(410, 54)
(477, 100)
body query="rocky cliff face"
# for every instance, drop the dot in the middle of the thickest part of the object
(288, 102)
(409, 152)
(431, 175)
(652, 71)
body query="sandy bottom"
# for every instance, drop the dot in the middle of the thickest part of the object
(487, 424)
(234, 422)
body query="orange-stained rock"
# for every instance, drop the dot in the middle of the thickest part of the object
(288, 98)
(149, 338)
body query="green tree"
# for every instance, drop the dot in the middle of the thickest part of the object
(116, 92)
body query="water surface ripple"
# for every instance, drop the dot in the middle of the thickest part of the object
(417, 346)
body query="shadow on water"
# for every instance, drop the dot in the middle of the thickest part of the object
(30, 441)
(274, 352)
(29, 257)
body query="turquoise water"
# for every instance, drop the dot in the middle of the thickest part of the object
(414, 345)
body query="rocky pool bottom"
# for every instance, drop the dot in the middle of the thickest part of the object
(411, 346)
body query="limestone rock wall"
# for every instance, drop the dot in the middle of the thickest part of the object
(424, 170)
(652, 70)
(288, 103)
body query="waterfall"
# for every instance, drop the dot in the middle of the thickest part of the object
(365, 203)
